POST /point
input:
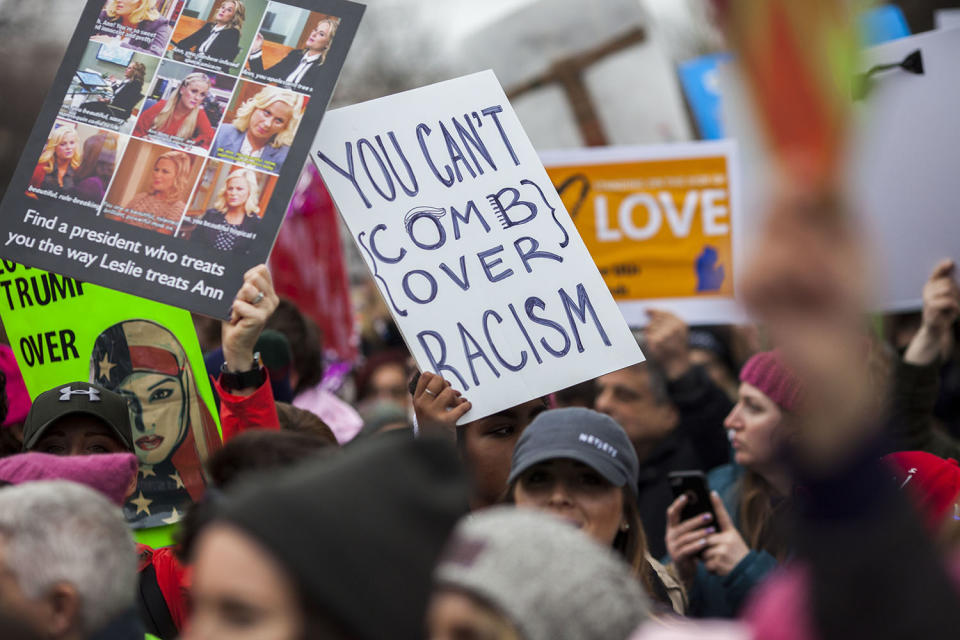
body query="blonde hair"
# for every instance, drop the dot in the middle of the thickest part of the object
(181, 183)
(252, 205)
(334, 23)
(264, 98)
(239, 13)
(190, 122)
(143, 11)
(139, 71)
(48, 158)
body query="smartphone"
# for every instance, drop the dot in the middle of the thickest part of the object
(692, 484)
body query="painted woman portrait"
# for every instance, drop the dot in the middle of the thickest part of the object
(173, 430)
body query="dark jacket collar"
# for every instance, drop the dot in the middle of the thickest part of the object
(126, 626)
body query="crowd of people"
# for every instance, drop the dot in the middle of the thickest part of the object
(374, 514)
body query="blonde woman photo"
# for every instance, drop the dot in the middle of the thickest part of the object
(301, 67)
(218, 39)
(59, 160)
(161, 206)
(135, 23)
(231, 224)
(181, 117)
(263, 129)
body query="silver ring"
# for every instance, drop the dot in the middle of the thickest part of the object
(257, 300)
(431, 393)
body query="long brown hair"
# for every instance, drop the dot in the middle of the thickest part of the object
(631, 542)
(764, 515)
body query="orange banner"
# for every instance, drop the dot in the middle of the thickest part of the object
(658, 221)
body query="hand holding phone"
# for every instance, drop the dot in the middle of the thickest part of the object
(693, 485)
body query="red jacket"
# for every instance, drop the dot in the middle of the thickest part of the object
(237, 414)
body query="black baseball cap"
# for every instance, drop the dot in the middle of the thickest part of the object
(584, 435)
(78, 398)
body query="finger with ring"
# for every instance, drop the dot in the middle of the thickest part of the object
(258, 299)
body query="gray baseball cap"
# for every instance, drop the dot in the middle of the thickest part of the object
(584, 435)
(78, 398)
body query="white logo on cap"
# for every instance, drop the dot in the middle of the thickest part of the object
(606, 447)
(910, 474)
(67, 392)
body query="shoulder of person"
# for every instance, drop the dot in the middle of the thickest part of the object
(721, 478)
(153, 25)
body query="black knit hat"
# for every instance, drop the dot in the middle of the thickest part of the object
(360, 533)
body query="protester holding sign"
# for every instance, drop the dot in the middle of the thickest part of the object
(485, 445)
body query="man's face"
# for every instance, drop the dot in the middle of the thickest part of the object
(488, 449)
(626, 396)
(79, 435)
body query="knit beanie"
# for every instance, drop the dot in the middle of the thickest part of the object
(18, 400)
(551, 580)
(767, 372)
(933, 482)
(359, 533)
(108, 473)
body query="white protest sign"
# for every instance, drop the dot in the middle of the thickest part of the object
(472, 249)
(902, 164)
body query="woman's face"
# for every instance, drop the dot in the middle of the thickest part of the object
(319, 38)
(158, 413)
(67, 146)
(753, 424)
(388, 383)
(164, 174)
(226, 12)
(237, 192)
(193, 94)
(576, 493)
(488, 445)
(453, 615)
(125, 7)
(268, 121)
(239, 591)
(129, 72)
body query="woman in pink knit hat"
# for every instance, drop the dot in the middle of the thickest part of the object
(722, 561)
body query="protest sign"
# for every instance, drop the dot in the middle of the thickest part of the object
(660, 222)
(469, 243)
(900, 169)
(63, 330)
(166, 152)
